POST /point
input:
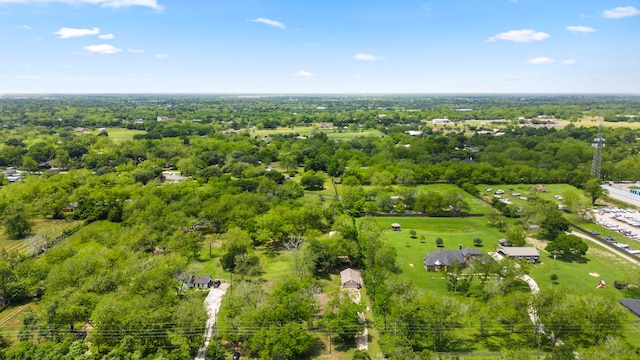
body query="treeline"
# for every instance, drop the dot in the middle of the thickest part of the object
(270, 112)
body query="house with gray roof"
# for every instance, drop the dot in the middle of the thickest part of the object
(442, 259)
(529, 254)
(350, 279)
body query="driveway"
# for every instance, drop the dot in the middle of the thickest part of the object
(212, 304)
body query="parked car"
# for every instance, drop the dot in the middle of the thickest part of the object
(216, 283)
(236, 355)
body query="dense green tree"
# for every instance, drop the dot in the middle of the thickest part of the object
(594, 190)
(567, 247)
(312, 181)
(17, 224)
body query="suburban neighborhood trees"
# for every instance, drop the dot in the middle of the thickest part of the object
(122, 220)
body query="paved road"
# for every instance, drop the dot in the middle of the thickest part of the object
(622, 195)
(212, 304)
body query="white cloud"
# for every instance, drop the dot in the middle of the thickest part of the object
(581, 29)
(26, 27)
(366, 57)
(102, 49)
(303, 73)
(106, 36)
(569, 62)
(65, 32)
(269, 22)
(621, 12)
(161, 56)
(104, 3)
(541, 60)
(524, 35)
(135, 51)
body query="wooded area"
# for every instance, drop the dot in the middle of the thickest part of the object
(101, 230)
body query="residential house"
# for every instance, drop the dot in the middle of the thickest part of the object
(529, 254)
(442, 259)
(202, 282)
(350, 279)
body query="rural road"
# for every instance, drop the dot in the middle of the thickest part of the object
(212, 304)
(622, 195)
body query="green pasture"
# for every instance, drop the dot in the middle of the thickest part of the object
(454, 231)
(476, 206)
(526, 191)
(11, 320)
(52, 228)
(331, 133)
(582, 276)
(121, 134)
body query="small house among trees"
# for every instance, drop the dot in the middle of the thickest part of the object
(202, 282)
(350, 279)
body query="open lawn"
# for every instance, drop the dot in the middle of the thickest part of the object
(331, 133)
(525, 190)
(52, 228)
(454, 231)
(582, 276)
(121, 134)
(475, 205)
(11, 320)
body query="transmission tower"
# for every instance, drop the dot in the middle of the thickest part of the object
(598, 143)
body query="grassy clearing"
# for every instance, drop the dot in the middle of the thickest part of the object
(331, 133)
(11, 320)
(53, 228)
(120, 134)
(454, 232)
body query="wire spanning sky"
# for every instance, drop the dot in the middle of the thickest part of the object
(329, 46)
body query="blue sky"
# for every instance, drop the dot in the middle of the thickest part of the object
(328, 46)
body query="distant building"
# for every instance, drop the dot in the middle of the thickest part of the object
(165, 118)
(413, 132)
(440, 121)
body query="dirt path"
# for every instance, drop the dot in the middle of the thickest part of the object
(212, 304)
(362, 339)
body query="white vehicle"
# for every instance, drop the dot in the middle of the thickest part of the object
(488, 189)
(499, 192)
(557, 197)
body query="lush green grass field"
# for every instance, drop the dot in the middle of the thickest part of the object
(331, 133)
(51, 227)
(120, 134)
(454, 231)
(11, 320)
